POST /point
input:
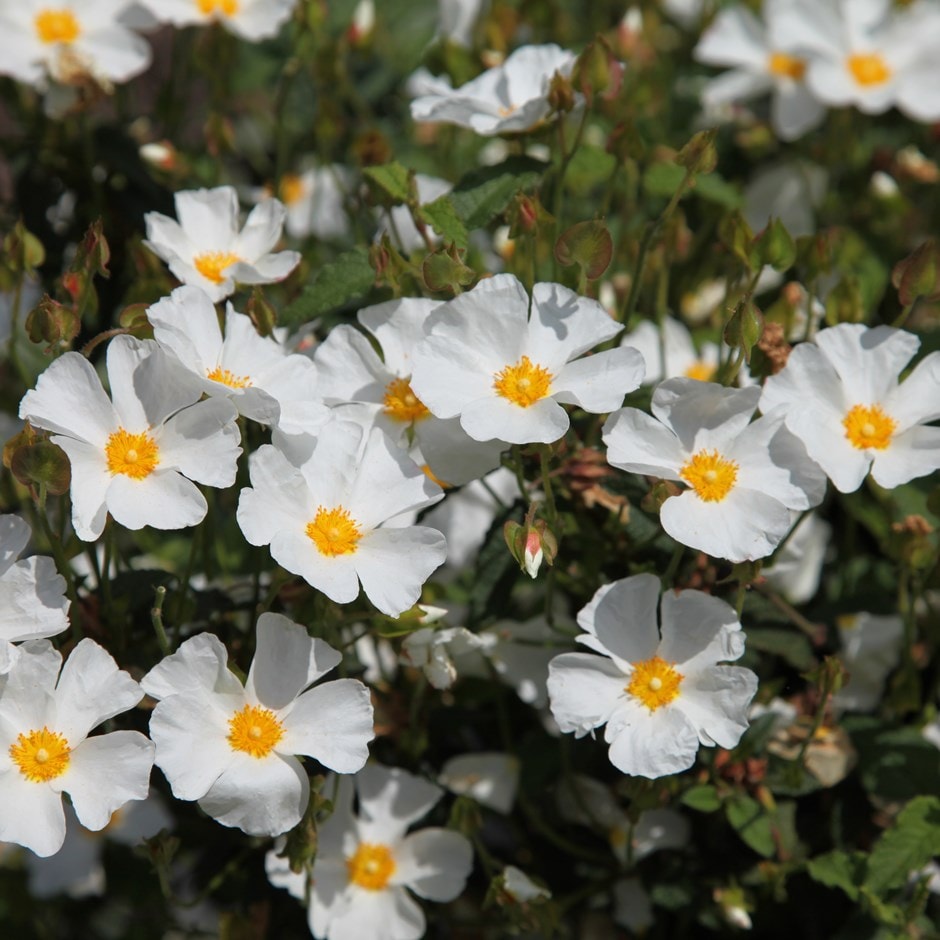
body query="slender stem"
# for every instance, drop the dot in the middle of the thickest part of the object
(551, 511)
(156, 618)
(61, 563)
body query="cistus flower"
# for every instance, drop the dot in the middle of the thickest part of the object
(324, 518)
(251, 20)
(45, 718)
(763, 57)
(232, 747)
(256, 373)
(509, 98)
(671, 352)
(368, 865)
(506, 373)
(841, 397)
(138, 455)
(659, 696)
(32, 593)
(207, 249)
(743, 479)
(70, 41)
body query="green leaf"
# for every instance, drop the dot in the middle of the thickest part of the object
(703, 798)
(752, 824)
(442, 216)
(839, 870)
(347, 278)
(587, 244)
(393, 179)
(663, 179)
(791, 646)
(718, 190)
(896, 764)
(907, 847)
(484, 194)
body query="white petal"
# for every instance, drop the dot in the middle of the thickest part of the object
(494, 417)
(916, 453)
(164, 500)
(88, 488)
(639, 443)
(32, 814)
(622, 615)
(277, 497)
(199, 665)
(716, 702)
(393, 798)
(335, 576)
(652, 744)
(434, 863)
(598, 383)
(202, 442)
(704, 414)
(699, 630)
(584, 690)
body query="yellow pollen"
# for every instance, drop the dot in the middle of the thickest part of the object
(654, 682)
(134, 455)
(786, 66)
(41, 755)
(506, 111)
(334, 531)
(212, 264)
(433, 477)
(254, 730)
(218, 374)
(868, 68)
(291, 189)
(710, 475)
(401, 403)
(524, 383)
(701, 371)
(227, 7)
(868, 427)
(372, 866)
(54, 26)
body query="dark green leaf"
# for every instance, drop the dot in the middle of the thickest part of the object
(907, 847)
(484, 194)
(752, 824)
(442, 216)
(839, 870)
(347, 278)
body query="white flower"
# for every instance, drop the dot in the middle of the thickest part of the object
(207, 249)
(32, 593)
(521, 888)
(69, 40)
(134, 458)
(842, 399)
(315, 202)
(399, 223)
(763, 56)
(798, 565)
(510, 98)
(743, 479)
(77, 869)
(490, 777)
(434, 651)
(250, 19)
(324, 519)
(871, 648)
(659, 697)
(367, 864)
(506, 374)
(352, 372)
(633, 907)
(672, 353)
(45, 751)
(870, 54)
(231, 747)
(255, 372)
(457, 20)
(790, 192)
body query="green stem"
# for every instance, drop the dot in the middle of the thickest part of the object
(156, 618)
(61, 563)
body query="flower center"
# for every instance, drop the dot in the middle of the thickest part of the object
(786, 66)
(710, 475)
(218, 374)
(212, 264)
(701, 371)
(227, 7)
(291, 189)
(524, 383)
(401, 403)
(134, 455)
(334, 531)
(41, 755)
(254, 730)
(54, 26)
(654, 682)
(868, 68)
(506, 110)
(371, 866)
(868, 427)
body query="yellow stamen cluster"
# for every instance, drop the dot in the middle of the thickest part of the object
(372, 866)
(867, 426)
(654, 682)
(334, 531)
(701, 371)
(57, 26)
(523, 384)
(218, 374)
(291, 189)
(710, 475)
(41, 755)
(254, 730)
(786, 66)
(208, 7)
(134, 455)
(401, 403)
(868, 68)
(213, 264)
